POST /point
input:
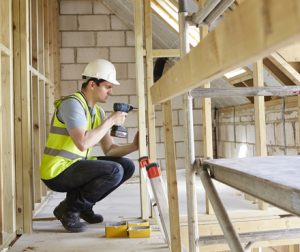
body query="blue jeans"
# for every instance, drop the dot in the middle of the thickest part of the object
(89, 181)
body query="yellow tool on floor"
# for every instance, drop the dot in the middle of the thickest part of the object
(131, 229)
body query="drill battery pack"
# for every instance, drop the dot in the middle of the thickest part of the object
(118, 131)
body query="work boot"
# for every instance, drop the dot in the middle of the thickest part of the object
(70, 220)
(90, 217)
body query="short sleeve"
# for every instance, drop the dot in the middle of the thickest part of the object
(72, 114)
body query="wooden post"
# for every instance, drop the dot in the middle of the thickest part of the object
(260, 121)
(36, 140)
(1, 155)
(192, 213)
(298, 103)
(42, 83)
(149, 65)
(140, 86)
(206, 123)
(171, 178)
(22, 117)
(7, 154)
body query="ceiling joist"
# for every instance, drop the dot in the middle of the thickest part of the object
(215, 55)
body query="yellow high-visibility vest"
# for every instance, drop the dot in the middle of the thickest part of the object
(60, 151)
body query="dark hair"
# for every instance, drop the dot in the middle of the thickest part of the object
(97, 81)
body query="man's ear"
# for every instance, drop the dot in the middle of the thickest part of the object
(92, 84)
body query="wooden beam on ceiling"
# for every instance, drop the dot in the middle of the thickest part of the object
(275, 71)
(215, 55)
(291, 53)
(285, 67)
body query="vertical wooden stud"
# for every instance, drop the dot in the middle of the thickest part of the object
(260, 121)
(171, 178)
(206, 123)
(139, 66)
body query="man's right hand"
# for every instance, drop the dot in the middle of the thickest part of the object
(118, 117)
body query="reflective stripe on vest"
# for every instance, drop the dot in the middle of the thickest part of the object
(60, 151)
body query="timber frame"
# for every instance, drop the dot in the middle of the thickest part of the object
(210, 60)
(29, 73)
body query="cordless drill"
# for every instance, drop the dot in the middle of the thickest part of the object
(119, 130)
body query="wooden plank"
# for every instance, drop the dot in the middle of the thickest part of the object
(171, 177)
(273, 179)
(22, 116)
(277, 73)
(8, 157)
(42, 123)
(41, 57)
(49, 107)
(217, 46)
(290, 53)
(2, 202)
(298, 105)
(18, 116)
(206, 124)
(33, 33)
(254, 237)
(285, 67)
(140, 87)
(260, 121)
(149, 80)
(46, 38)
(36, 140)
(260, 118)
(26, 118)
(56, 57)
(159, 53)
(4, 50)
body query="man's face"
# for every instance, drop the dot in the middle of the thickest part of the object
(103, 91)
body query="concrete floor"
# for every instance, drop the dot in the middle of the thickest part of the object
(123, 204)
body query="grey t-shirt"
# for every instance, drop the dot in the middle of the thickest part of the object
(72, 114)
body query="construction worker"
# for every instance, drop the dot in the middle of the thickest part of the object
(68, 166)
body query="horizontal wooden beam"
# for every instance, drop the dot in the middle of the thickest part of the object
(285, 67)
(4, 50)
(160, 53)
(246, 91)
(253, 236)
(229, 46)
(42, 77)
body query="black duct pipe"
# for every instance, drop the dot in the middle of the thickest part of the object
(159, 68)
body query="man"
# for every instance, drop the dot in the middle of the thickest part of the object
(68, 165)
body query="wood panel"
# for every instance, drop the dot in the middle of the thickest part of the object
(37, 190)
(140, 87)
(171, 177)
(215, 52)
(260, 118)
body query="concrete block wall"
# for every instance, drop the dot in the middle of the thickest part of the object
(178, 131)
(89, 30)
(236, 132)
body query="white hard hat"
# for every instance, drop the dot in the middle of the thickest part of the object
(101, 69)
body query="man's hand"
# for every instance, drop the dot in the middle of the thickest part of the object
(118, 117)
(136, 141)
